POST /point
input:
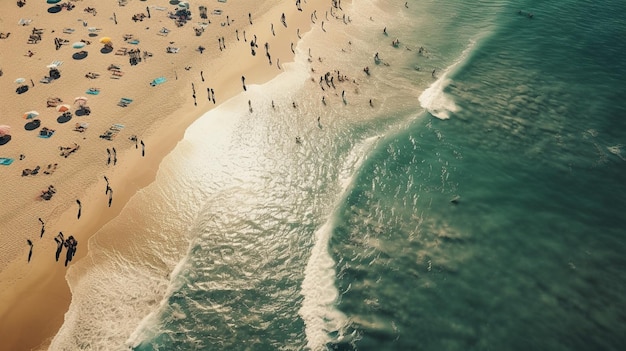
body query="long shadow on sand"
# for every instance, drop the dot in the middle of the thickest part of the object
(32, 125)
(82, 112)
(5, 139)
(55, 9)
(66, 117)
(80, 55)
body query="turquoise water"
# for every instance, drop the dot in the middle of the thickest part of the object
(479, 207)
(530, 257)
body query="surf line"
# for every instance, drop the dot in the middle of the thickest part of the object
(318, 311)
(434, 99)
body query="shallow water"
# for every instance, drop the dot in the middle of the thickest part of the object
(348, 239)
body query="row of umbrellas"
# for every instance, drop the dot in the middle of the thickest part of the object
(80, 101)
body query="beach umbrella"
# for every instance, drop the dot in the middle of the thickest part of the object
(20, 80)
(31, 114)
(78, 45)
(5, 130)
(183, 5)
(81, 100)
(63, 108)
(105, 40)
(53, 1)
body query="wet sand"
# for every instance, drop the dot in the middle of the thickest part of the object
(35, 294)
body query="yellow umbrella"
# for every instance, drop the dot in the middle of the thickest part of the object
(105, 40)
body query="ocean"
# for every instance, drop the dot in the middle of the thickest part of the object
(476, 203)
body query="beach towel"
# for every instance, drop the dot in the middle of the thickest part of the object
(46, 136)
(158, 81)
(5, 161)
(124, 102)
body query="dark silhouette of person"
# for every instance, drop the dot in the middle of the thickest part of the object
(80, 206)
(30, 252)
(43, 227)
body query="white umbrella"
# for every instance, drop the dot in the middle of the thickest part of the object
(81, 100)
(20, 80)
(78, 45)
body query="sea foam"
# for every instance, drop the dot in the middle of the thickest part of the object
(435, 99)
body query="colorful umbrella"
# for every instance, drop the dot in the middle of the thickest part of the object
(31, 114)
(105, 40)
(5, 130)
(78, 45)
(63, 108)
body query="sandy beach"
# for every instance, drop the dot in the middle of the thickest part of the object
(132, 124)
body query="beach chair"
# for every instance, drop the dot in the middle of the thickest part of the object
(121, 51)
(163, 32)
(124, 102)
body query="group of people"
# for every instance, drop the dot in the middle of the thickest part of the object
(47, 194)
(70, 243)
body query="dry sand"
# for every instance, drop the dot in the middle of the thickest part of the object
(34, 294)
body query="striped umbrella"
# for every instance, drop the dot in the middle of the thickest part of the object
(30, 114)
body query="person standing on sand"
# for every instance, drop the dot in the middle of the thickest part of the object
(114, 156)
(80, 207)
(243, 82)
(59, 242)
(143, 151)
(43, 227)
(30, 252)
(109, 156)
(110, 196)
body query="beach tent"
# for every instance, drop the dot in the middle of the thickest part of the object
(5, 130)
(31, 114)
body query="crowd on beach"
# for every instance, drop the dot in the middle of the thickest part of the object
(332, 82)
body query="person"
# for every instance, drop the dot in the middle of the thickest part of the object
(43, 227)
(79, 208)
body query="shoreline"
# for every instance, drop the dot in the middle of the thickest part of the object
(30, 291)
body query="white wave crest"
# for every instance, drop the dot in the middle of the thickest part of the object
(434, 99)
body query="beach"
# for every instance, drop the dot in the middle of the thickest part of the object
(123, 104)
(312, 175)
